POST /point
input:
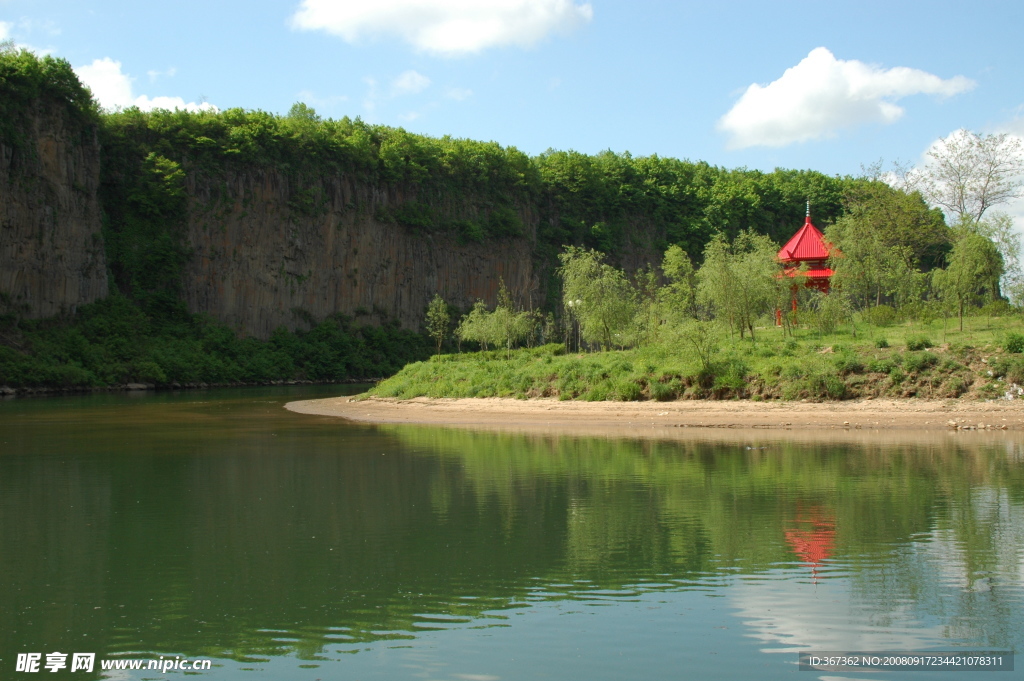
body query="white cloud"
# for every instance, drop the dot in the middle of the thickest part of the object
(458, 94)
(444, 27)
(110, 87)
(113, 89)
(409, 83)
(821, 95)
(5, 29)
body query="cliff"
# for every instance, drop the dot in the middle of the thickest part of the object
(258, 262)
(51, 246)
(261, 221)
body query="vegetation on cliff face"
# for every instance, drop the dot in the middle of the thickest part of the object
(26, 79)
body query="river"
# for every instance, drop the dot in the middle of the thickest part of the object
(218, 525)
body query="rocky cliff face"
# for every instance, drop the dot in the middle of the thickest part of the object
(51, 246)
(259, 261)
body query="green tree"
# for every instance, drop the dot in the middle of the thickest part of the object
(740, 280)
(509, 326)
(438, 320)
(866, 268)
(897, 218)
(597, 295)
(680, 294)
(503, 326)
(883, 242)
(973, 271)
(649, 310)
(1000, 229)
(476, 326)
(702, 337)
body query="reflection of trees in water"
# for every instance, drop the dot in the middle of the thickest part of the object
(965, 572)
(255, 546)
(874, 510)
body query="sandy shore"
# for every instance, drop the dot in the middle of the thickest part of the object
(504, 413)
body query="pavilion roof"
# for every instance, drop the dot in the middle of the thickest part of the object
(807, 244)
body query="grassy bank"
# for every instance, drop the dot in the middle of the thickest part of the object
(909, 360)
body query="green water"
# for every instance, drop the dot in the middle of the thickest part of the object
(285, 546)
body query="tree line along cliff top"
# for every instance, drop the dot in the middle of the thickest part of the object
(593, 200)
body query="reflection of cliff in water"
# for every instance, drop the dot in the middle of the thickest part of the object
(251, 535)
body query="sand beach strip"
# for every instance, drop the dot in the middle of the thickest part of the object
(578, 416)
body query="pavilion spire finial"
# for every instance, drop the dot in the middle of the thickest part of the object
(808, 208)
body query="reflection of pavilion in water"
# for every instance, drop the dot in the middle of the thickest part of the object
(813, 538)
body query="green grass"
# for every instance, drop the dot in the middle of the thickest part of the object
(917, 360)
(115, 341)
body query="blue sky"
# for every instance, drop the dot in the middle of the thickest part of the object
(836, 84)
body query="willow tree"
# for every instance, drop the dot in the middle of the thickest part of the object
(598, 296)
(502, 326)
(740, 280)
(973, 272)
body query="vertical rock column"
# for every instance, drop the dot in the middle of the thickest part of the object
(51, 244)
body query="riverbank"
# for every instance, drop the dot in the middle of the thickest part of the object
(869, 414)
(36, 391)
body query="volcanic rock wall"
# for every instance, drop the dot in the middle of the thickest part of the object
(259, 262)
(51, 246)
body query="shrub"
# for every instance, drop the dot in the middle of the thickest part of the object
(1012, 368)
(1014, 343)
(826, 385)
(919, 343)
(997, 308)
(990, 390)
(665, 392)
(731, 375)
(919, 361)
(792, 372)
(954, 387)
(960, 349)
(848, 363)
(628, 390)
(881, 366)
(880, 315)
(881, 343)
(950, 364)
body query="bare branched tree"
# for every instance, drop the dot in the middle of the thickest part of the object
(966, 173)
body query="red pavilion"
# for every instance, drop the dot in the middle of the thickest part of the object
(807, 248)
